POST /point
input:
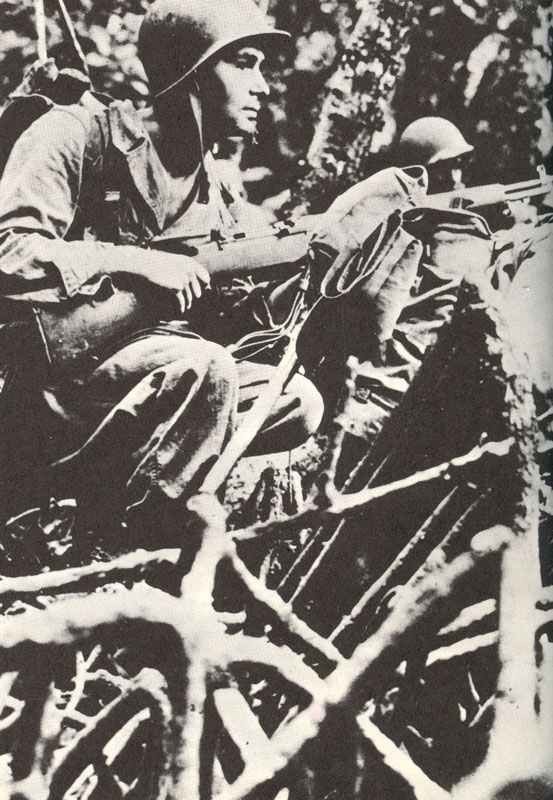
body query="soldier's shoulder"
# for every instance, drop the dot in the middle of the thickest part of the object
(38, 118)
(91, 123)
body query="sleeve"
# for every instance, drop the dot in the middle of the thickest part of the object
(39, 194)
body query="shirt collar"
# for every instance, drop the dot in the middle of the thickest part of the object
(130, 138)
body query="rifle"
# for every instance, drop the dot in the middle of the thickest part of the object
(77, 329)
(493, 193)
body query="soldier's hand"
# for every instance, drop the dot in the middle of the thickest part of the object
(181, 275)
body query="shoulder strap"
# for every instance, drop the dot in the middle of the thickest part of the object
(101, 165)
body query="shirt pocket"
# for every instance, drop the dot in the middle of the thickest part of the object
(123, 219)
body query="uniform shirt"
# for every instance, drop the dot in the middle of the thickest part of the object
(59, 215)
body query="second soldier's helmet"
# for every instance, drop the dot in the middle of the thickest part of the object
(177, 36)
(431, 139)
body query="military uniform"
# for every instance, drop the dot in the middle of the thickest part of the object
(161, 405)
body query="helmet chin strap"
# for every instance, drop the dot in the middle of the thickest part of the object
(223, 221)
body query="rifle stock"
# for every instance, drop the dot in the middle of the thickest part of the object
(77, 330)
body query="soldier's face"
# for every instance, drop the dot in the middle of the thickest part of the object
(445, 176)
(236, 88)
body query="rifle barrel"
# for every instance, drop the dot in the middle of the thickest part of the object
(492, 193)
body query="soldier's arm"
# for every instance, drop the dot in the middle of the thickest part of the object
(39, 195)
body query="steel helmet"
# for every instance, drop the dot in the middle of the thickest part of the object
(177, 36)
(431, 139)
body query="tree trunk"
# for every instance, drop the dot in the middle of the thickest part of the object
(356, 119)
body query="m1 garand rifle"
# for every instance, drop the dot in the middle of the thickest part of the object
(81, 327)
(493, 193)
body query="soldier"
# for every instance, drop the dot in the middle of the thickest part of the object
(420, 293)
(438, 145)
(86, 188)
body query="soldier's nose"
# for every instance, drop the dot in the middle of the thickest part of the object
(457, 178)
(260, 85)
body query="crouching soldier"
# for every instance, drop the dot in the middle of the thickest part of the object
(87, 188)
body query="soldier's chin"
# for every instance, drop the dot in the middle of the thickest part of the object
(244, 128)
(248, 125)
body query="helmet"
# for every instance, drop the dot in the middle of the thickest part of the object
(177, 36)
(431, 139)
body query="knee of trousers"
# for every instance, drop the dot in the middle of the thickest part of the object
(309, 403)
(207, 359)
(215, 365)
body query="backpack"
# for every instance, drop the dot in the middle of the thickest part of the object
(43, 86)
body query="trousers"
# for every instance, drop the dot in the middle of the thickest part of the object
(155, 415)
